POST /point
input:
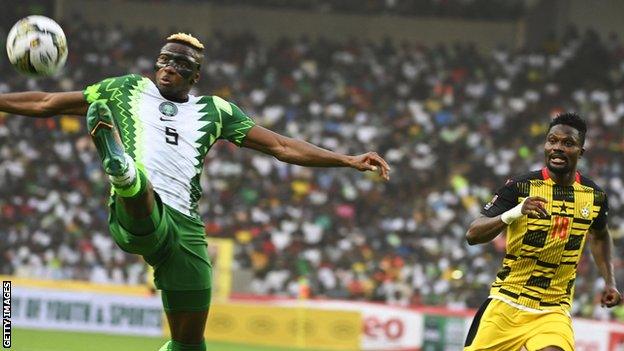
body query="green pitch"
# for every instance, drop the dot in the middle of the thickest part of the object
(46, 340)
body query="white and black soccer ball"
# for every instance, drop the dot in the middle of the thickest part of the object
(36, 46)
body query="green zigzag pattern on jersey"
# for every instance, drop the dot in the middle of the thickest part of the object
(119, 92)
(134, 100)
(239, 133)
(208, 138)
(211, 132)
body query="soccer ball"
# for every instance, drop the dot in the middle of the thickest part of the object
(36, 46)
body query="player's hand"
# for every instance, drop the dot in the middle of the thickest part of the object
(610, 297)
(371, 161)
(534, 205)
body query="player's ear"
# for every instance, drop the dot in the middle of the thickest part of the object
(195, 78)
(582, 151)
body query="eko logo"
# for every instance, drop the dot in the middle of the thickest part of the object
(391, 329)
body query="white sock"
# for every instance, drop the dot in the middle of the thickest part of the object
(128, 177)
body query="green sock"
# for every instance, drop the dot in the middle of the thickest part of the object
(178, 346)
(138, 226)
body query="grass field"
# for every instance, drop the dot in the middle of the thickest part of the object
(46, 340)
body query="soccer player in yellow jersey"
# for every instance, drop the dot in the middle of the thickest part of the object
(547, 215)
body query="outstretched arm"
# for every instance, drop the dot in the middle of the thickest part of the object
(41, 104)
(305, 154)
(601, 247)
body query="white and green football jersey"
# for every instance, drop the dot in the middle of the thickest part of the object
(166, 139)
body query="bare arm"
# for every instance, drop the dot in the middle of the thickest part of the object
(41, 104)
(601, 247)
(484, 229)
(303, 153)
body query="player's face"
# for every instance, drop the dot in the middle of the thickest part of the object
(562, 149)
(177, 69)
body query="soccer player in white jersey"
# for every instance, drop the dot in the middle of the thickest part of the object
(152, 138)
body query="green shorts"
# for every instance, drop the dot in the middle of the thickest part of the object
(186, 301)
(177, 249)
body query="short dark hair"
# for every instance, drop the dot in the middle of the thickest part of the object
(573, 120)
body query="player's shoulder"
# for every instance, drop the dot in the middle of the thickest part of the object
(520, 184)
(106, 87)
(133, 78)
(208, 98)
(588, 182)
(600, 196)
(524, 177)
(219, 102)
(123, 80)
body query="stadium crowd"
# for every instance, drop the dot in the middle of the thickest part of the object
(453, 123)
(496, 10)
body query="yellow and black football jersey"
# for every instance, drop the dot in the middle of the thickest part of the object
(542, 254)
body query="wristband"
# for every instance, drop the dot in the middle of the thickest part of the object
(512, 215)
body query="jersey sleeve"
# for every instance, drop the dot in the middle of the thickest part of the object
(236, 124)
(505, 199)
(600, 222)
(105, 89)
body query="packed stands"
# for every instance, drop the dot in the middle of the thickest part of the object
(453, 123)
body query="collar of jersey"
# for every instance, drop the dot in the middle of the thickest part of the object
(546, 175)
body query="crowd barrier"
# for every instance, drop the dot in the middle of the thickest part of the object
(297, 324)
